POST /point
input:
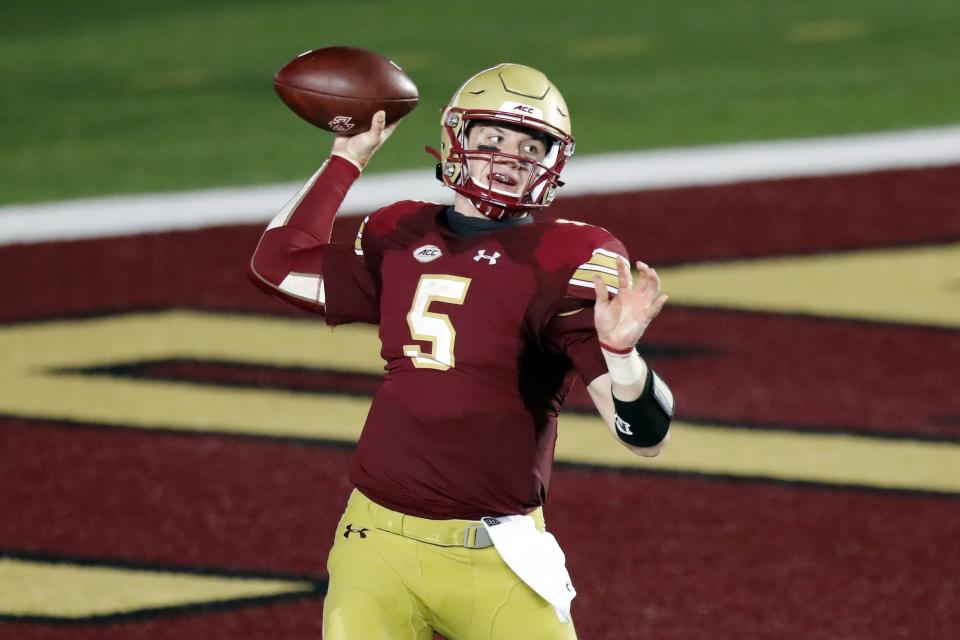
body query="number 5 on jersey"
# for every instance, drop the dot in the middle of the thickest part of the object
(431, 327)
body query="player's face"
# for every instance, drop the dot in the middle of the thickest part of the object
(507, 175)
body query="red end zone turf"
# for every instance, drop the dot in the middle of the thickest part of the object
(654, 555)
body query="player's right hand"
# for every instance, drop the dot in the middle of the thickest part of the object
(622, 320)
(362, 146)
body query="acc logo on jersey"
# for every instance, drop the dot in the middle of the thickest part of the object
(427, 253)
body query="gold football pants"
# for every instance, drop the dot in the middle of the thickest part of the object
(393, 576)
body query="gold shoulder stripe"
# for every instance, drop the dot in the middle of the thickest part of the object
(609, 254)
(607, 260)
(589, 266)
(587, 275)
(602, 263)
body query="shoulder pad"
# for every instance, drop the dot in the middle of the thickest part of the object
(589, 251)
(602, 263)
(380, 226)
(388, 218)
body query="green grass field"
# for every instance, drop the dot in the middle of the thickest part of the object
(126, 96)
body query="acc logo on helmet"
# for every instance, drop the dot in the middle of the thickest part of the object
(522, 109)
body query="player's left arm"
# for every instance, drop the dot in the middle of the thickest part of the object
(634, 402)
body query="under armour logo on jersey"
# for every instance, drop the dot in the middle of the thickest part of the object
(622, 426)
(482, 255)
(350, 529)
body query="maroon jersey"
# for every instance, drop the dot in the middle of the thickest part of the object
(478, 359)
(482, 336)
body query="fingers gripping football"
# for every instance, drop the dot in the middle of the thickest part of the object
(361, 147)
(622, 320)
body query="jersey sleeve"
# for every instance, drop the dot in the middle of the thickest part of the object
(295, 262)
(350, 292)
(571, 330)
(575, 335)
(601, 262)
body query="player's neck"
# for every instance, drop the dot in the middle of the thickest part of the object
(465, 226)
(463, 206)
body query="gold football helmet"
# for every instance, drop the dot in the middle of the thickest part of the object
(518, 96)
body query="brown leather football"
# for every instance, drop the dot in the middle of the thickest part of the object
(340, 88)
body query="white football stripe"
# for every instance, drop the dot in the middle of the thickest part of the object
(606, 173)
(589, 285)
(610, 254)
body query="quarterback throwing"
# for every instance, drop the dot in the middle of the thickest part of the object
(488, 314)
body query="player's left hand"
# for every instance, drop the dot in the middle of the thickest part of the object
(622, 320)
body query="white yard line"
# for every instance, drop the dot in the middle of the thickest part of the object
(606, 173)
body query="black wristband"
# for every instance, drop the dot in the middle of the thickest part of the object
(645, 421)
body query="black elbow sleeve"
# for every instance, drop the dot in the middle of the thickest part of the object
(644, 422)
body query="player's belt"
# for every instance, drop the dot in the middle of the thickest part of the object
(445, 533)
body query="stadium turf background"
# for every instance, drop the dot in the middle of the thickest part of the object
(173, 460)
(125, 96)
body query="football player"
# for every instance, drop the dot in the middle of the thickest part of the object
(488, 314)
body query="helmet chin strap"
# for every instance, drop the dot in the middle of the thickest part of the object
(489, 209)
(495, 212)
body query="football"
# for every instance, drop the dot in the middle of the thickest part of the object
(340, 88)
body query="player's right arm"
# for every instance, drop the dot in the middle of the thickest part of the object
(635, 402)
(295, 250)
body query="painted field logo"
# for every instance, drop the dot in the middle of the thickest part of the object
(341, 124)
(427, 253)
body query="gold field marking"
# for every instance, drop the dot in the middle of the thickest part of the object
(781, 455)
(915, 285)
(32, 391)
(36, 349)
(29, 588)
